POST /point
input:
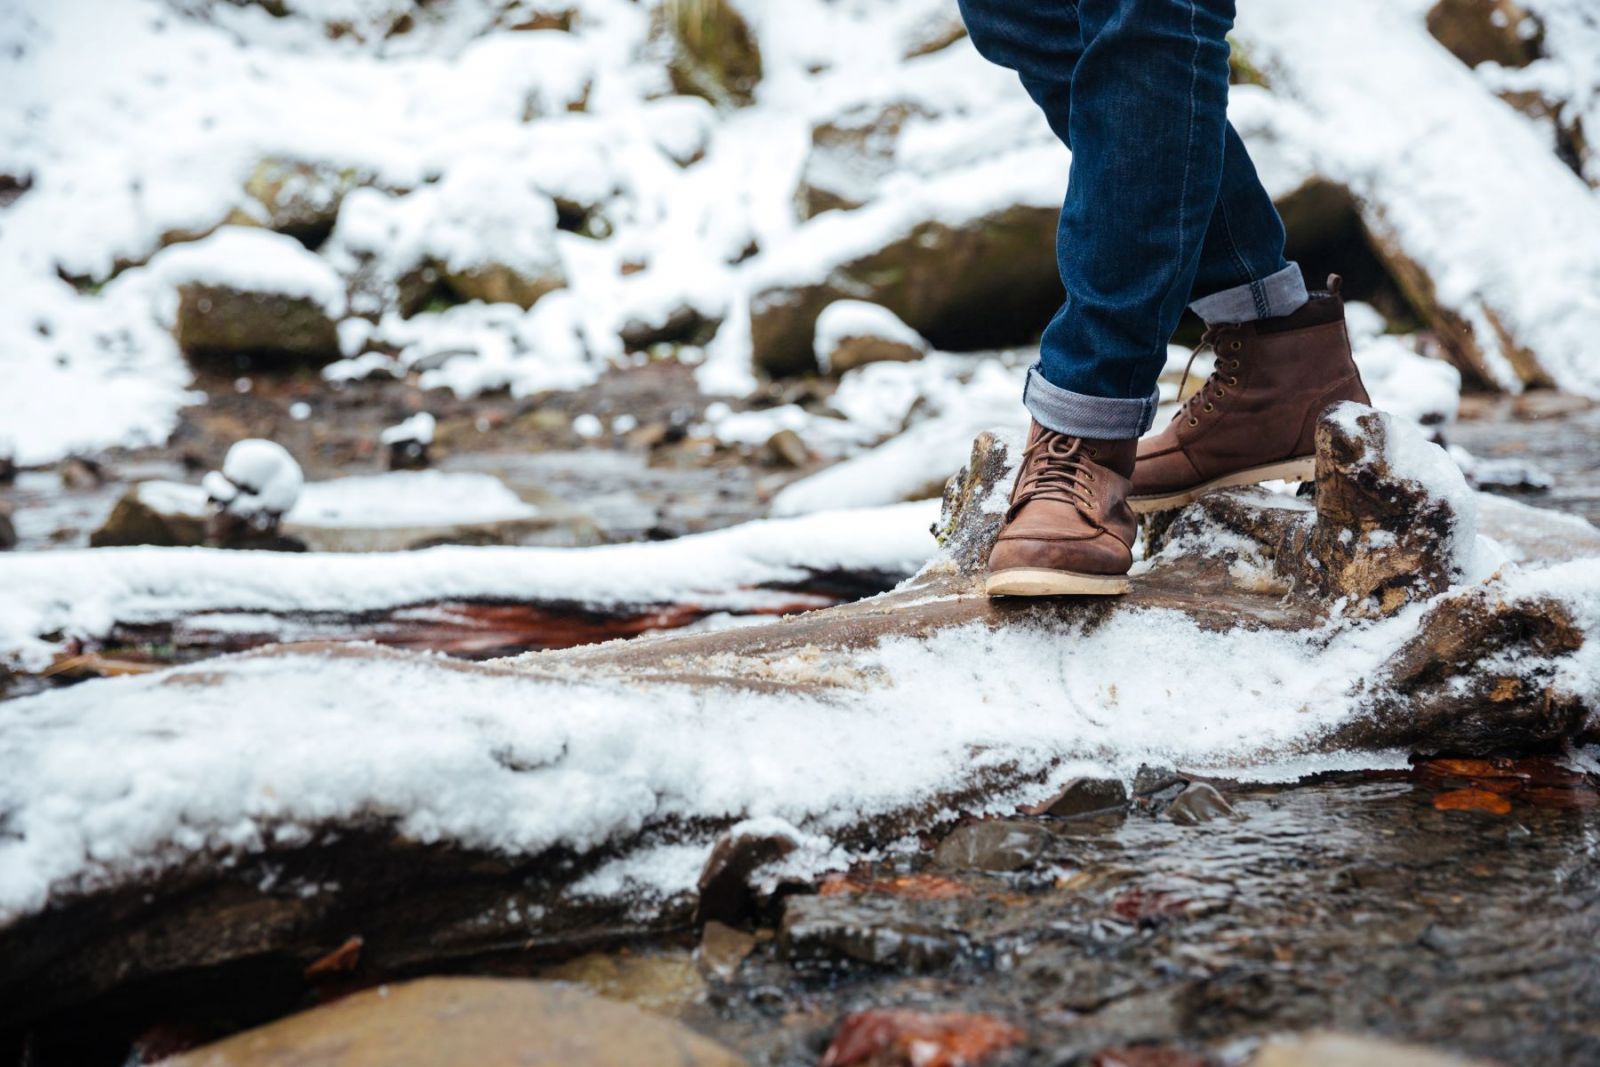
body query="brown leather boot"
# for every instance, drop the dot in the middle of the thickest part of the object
(1068, 529)
(1255, 418)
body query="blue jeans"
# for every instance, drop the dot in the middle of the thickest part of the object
(1163, 207)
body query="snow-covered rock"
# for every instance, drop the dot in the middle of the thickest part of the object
(259, 483)
(852, 333)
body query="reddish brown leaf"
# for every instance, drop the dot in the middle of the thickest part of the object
(341, 960)
(905, 1038)
(1472, 800)
(909, 886)
(1467, 768)
(1149, 906)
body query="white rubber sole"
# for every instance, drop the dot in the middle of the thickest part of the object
(1039, 581)
(1302, 469)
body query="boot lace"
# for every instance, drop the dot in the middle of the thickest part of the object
(1224, 343)
(1054, 467)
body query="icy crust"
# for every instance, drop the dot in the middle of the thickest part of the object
(83, 593)
(237, 754)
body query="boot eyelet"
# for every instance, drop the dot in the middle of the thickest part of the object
(1210, 408)
(1233, 381)
(1233, 364)
(1193, 421)
(1235, 346)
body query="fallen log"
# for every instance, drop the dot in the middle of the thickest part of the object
(250, 815)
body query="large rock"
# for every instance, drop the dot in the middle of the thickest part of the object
(492, 236)
(988, 281)
(253, 297)
(712, 52)
(1486, 31)
(466, 1022)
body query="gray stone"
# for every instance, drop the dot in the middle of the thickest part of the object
(864, 930)
(1084, 796)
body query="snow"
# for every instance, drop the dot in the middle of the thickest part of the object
(419, 428)
(82, 593)
(257, 478)
(408, 499)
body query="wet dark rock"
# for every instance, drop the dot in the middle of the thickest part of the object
(1084, 796)
(993, 845)
(81, 473)
(871, 930)
(726, 895)
(8, 529)
(8, 466)
(457, 1022)
(227, 326)
(1197, 804)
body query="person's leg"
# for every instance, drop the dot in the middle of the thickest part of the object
(1243, 274)
(1040, 40)
(1147, 126)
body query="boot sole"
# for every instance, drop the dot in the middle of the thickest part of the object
(1040, 581)
(1302, 469)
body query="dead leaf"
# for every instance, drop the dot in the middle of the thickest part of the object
(906, 1038)
(1472, 800)
(341, 960)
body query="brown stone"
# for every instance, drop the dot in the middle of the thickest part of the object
(1347, 1050)
(466, 1022)
(227, 325)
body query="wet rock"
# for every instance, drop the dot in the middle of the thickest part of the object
(1084, 796)
(723, 949)
(8, 464)
(975, 500)
(993, 845)
(154, 513)
(1395, 520)
(1198, 804)
(8, 528)
(1486, 31)
(711, 51)
(663, 983)
(299, 198)
(983, 282)
(786, 448)
(456, 1022)
(874, 931)
(1347, 1050)
(852, 333)
(907, 1038)
(850, 154)
(80, 473)
(726, 894)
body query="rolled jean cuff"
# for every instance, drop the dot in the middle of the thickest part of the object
(1280, 293)
(1079, 415)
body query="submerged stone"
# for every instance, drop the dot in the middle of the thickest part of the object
(993, 845)
(875, 931)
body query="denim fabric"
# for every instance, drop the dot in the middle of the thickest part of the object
(1163, 205)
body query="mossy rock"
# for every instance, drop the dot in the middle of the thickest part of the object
(499, 284)
(220, 324)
